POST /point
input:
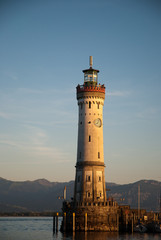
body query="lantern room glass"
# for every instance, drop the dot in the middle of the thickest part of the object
(90, 77)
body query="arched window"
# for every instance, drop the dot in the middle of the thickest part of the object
(89, 138)
(99, 179)
(88, 178)
(89, 104)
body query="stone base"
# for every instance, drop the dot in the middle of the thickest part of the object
(100, 216)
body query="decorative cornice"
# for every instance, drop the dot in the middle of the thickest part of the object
(97, 88)
(85, 94)
(90, 163)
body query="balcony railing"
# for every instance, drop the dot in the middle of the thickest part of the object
(91, 88)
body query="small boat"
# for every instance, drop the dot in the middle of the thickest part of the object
(154, 227)
(140, 228)
(158, 228)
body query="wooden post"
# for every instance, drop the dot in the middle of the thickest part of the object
(85, 236)
(154, 217)
(85, 222)
(132, 223)
(65, 193)
(73, 238)
(57, 215)
(53, 223)
(64, 222)
(126, 221)
(134, 217)
(117, 222)
(73, 222)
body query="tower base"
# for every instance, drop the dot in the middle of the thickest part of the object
(90, 216)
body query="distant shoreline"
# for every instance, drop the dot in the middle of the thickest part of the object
(30, 214)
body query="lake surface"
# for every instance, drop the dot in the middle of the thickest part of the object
(41, 228)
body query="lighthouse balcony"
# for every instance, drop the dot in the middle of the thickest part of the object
(74, 204)
(107, 203)
(90, 87)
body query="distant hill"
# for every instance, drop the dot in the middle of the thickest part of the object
(150, 191)
(42, 195)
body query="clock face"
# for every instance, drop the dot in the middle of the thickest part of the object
(98, 122)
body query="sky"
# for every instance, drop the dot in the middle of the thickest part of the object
(44, 46)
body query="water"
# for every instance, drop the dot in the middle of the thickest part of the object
(40, 228)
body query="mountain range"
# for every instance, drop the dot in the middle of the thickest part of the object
(44, 196)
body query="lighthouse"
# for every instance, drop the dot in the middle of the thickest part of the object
(89, 209)
(90, 178)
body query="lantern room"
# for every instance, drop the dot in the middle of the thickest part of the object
(91, 75)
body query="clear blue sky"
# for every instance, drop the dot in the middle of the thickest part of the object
(44, 46)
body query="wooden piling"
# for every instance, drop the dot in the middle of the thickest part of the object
(53, 223)
(126, 222)
(57, 215)
(73, 222)
(117, 222)
(64, 222)
(134, 217)
(132, 223)
(154, 218)
(85, 222)
(73, 238)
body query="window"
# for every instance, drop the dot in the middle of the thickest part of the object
(89, 104)
(89, 138)
(98, 105)
(89, 122)
(99, 179)
(98, 154)
(88, 194)
(80, 123)
(81, 105)
(100, 194)
(88, 178)
(90, 77)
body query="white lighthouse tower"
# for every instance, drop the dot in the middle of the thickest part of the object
(90, 179)
(89, 209)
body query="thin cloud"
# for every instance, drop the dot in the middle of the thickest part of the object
(37, 149)
(148, 113)
(30, 91)
(4, 115)
(9, 143)
(11, 75)
(45, 91)
(119, 93)
(50, 152)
